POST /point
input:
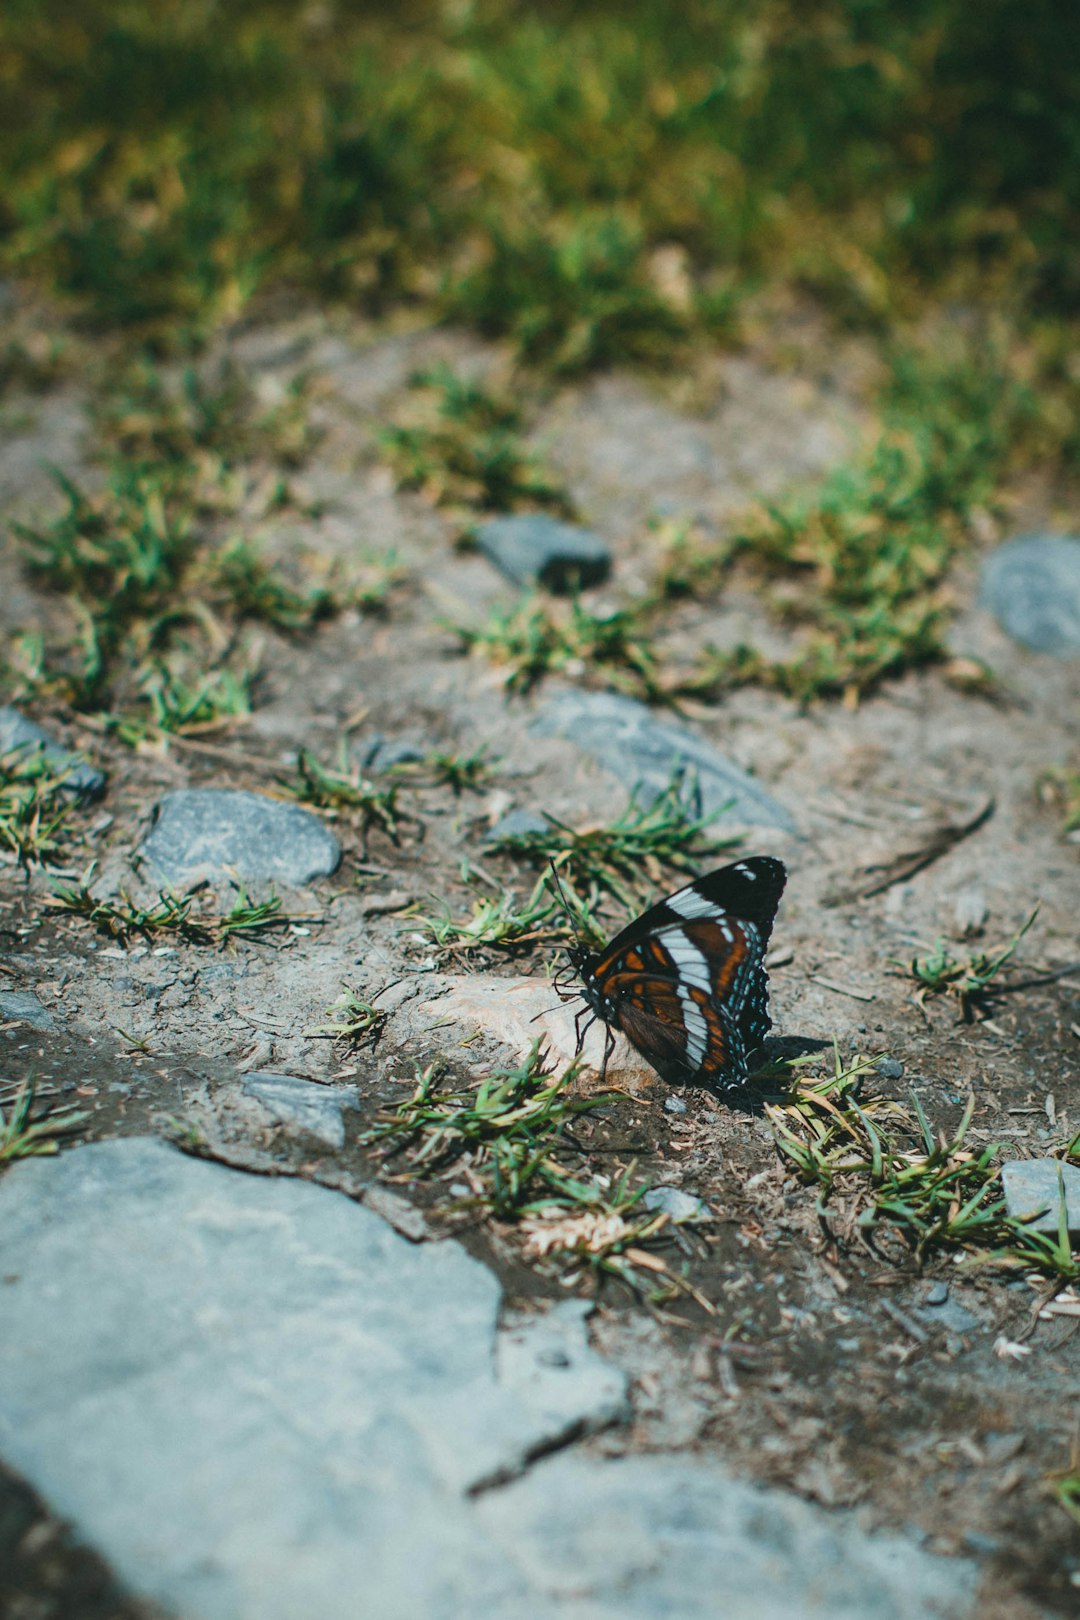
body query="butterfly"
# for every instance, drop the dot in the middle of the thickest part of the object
(686, 982)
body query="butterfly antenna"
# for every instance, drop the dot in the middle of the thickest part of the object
(579, 933)
(544, 1012)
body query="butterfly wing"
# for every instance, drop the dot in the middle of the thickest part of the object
(754, 1020)
(687, 1037)
(687, 979)
(748, 890)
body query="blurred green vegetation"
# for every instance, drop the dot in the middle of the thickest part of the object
(596, 182)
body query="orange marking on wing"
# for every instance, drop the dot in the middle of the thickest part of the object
(725, 957)
(659, 998)
(662, 1004)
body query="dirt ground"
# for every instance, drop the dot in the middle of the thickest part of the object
(932, 1397)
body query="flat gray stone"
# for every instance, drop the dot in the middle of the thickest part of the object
(80, 780)
(532, 549)
(303, 1105)
(1033, 1188)
(676, 1204)
(627, 739)
(257, 1401)
(25, 1006)
(548, 1361)
(518, 824)
(949, 1315)
(1032, 587)
(654, 1536)
(213, 833)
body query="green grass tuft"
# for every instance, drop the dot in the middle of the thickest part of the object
(969, 980)
(138, 580)
(35, 806)
(457, 771)
(347, 791)
(514, 1137)
(642, 844)
(885, 1166)
(539, 638)
(187, 917)
(28, 1132)
(462, 446)
(351, 1019)
(571, 298)
(861, 565)
(499, 920)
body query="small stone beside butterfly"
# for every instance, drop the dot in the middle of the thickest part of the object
(686, 982)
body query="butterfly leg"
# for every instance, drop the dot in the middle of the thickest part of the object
(586, 1012)
(609, 1047)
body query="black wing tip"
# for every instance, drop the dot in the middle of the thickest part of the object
(749, 888)
(764, 865)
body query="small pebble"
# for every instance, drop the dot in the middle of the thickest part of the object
(1032, 586)
(17, 730)
(383, 753)
(674, 1105)
(1034, 1189)
(675, 1203)
(302, 1105)
(890, 1068)
(977, 1541)
(937, 1293)
(22, 1006)
(532, 549)
(518, 824)
(970, 911)
(216, 833)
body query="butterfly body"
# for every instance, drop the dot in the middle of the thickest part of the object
(685, 982)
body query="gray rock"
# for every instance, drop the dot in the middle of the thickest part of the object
(212, 833)
(1034, 1188)
(650, 1536)
(674, 1105)
(532, 549)
(256, 1400)
(1032, 586)
(970, 911)
(678, 1205)
(949, 1315)
(303, 1105)
(401, 1215)
(518, 824)
(383, 753)
(547, 1361)
(890, 1068)
(936, 1294)
(25, 1006)
(644, 752)
(80, 780)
